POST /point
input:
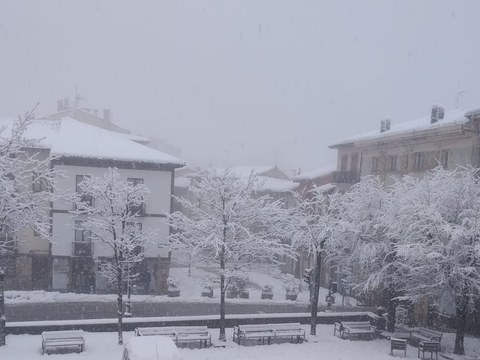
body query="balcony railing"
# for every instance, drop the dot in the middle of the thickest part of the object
(82, 248)
(346, 177)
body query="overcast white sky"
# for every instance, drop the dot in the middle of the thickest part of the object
(253, 82)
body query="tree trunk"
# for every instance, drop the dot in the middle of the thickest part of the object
(119, 303)
(391, 315)
(2, 310)
(316, 289)
(392, 304)
(222, 335)
(461, 324)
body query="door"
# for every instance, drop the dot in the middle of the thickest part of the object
(41, 272)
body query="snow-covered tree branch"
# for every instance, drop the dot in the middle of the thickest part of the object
(314, 227)
(230, 225)
(26, 180)
(438, 221)
(109, 207)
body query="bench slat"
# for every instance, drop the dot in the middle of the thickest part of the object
(56, 340)
(268, 331)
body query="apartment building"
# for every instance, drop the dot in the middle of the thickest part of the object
(449, 139)
(69, 261)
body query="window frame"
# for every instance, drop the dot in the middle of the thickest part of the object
(88, 199)
(142, 207)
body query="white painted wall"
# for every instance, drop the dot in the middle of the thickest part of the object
(157, 203)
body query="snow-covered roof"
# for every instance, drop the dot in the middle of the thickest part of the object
(182, 182)
(267, 183)
(245, 171)
(138, 138)
(316, 173)
(69, 137)
(326, 188)
(453, 117)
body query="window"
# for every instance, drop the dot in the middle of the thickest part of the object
(418, 161)
(374, 164)
(138, 210)
(80, 234)
(88, 199)
(444, 159)
(38, 184)
(134, 229)
(82, 245)
(134, 226)
(343, 163)
(354, 163)
(392, 163)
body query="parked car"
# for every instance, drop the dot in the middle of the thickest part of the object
(151, 348)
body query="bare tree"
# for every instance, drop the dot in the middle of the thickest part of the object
(229, 225)
(112, 205)
(26, 179)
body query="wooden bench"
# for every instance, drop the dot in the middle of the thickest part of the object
(355, 329)
(423, 334)
(428, 346)
(267, 332)
(179, 334)
(398, 344)
(53, 341)
(289, 330)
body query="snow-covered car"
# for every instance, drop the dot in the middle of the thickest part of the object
(151, 348)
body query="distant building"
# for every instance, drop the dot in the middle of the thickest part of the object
(449, 139)
(321, 179)
(68, 263)
(271, 181)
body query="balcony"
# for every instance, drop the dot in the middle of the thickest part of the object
(82, 248)
(346, 177)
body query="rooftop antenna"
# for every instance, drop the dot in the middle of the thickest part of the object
(459, 96)
(78, 97)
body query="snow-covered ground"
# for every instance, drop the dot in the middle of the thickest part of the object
(102, 346)
(190, 291)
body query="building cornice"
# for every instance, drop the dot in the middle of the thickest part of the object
(119, 164)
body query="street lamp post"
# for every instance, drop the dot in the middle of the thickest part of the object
(128, 304)
(2, 309)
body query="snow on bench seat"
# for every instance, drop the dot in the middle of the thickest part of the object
(351, 329)
(53, 341)
(267, 332)
(179, 334)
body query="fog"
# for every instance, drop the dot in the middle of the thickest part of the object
(265, 82)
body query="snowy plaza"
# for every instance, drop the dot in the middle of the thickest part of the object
(102, 346)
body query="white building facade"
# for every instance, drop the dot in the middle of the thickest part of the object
(69, 262)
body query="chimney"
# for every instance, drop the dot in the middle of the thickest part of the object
(385, 124)
(62, 104)
(106, 115)
(437, 114)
